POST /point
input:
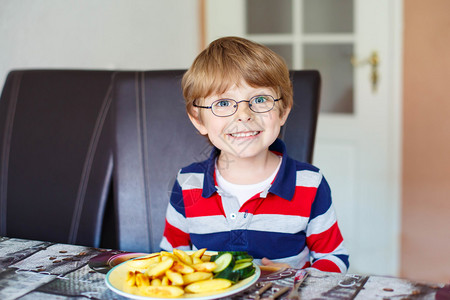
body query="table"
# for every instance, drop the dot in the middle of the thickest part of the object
(51, 271)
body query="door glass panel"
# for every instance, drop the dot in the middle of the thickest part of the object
(328, 16)
(333, 62)
(284, 51)
(268, 16)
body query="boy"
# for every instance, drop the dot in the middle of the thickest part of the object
(249, 195)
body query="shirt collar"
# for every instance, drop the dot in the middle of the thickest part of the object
(283, 185)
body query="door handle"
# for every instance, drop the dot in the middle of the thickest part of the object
(373, 61)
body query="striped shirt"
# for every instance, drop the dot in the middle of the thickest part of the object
(292, 221)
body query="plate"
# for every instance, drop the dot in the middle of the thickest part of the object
(115, 279)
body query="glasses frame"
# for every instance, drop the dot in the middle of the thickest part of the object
(236, 104)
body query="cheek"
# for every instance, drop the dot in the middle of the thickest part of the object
(215, 127)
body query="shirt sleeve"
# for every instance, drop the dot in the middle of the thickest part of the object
(323, 237)
(176, 233)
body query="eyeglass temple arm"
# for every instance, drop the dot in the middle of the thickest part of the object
(201, 106)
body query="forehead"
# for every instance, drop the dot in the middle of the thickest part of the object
(241, 90)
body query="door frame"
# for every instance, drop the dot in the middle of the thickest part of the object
(394, 60)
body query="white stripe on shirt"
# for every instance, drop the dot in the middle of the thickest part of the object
(322, 223)
(190, 181)
(208, 224)
(308, 178)
(278, 223)
(174, 218)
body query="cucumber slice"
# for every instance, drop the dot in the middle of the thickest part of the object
(224, 261)
(244, 270)
(242, 266)
(244, 275)
(228, 274)
(214, 257)
(243, 258)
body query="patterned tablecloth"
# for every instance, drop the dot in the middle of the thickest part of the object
(44, 270)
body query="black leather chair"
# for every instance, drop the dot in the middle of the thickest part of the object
(154, 139)
(56, 158)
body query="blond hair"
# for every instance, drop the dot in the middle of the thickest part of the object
(228, 60)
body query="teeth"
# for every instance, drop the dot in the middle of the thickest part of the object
(244, 134)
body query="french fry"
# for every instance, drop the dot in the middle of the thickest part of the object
(208, 285)
(199, 253)
(196, 276)
(131, 279)
(175, 277)
(196, 260)
(162, 291)
(205, 266)
(156, 282)
(182, 268)
(142, 280)
(144, 262)
(206, 258)
(165, 254)
(160, 268)
(183, 256)
(165, 281)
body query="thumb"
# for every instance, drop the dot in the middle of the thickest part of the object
(265, 261)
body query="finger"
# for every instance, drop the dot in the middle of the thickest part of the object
(265, 261)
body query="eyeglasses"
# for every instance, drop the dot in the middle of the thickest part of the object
(228, 107)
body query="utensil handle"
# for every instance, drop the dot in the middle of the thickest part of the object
(262, 290)
(280, 292)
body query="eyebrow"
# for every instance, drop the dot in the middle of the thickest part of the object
(254, 95)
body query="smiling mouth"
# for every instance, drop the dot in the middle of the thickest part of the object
(244, 134)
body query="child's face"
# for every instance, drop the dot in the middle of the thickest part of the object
(245, 134)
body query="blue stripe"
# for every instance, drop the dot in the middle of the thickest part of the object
(176, 199)
(322, 202)
(217, 241)
(259, 244)
(344, 258)
(198, 167)
(275, 245)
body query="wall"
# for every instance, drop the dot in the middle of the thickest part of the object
(100, 34)
(426, 143)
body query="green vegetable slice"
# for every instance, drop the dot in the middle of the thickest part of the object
(229, 275)
(224, 261)
(244, 270)
(243, 258)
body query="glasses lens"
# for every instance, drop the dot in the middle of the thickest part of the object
(224, 107)
(262, 103)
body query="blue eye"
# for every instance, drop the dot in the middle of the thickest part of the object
(223, 103)
(260, 99)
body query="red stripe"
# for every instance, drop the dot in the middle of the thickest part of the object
(326, 266)
(307, 265)
(197, 206)
(300, 205)
(175, 236)
(325, 242)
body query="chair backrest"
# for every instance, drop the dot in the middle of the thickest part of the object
(299, 132)
(55, 155)
(154, 139)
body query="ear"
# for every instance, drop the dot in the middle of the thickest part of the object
(285, 115)
(198, 124)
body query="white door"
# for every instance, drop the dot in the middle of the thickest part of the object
(358, 137)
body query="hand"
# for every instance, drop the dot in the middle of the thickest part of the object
(268, 263)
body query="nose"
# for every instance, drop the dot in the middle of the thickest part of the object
(243, 113)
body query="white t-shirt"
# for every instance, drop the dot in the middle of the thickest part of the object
(243, 192)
